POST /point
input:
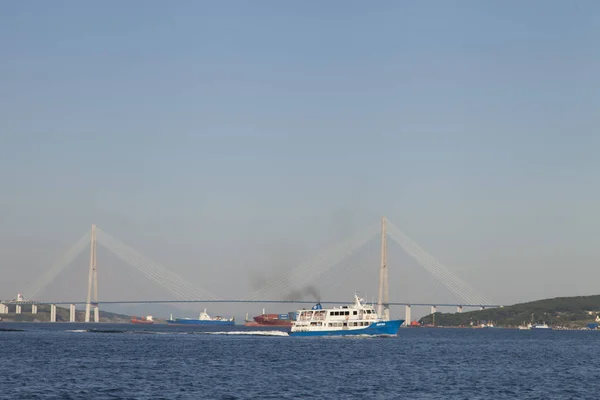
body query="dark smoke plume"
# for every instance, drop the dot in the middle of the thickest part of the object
(296, 295)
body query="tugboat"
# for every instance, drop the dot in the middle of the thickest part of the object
(203, 319)
(355, 319)
(147, 321)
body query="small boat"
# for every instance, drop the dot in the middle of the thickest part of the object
(539, 326)
(147, 320)
(203, 319)
(355, 319)
(543, 325)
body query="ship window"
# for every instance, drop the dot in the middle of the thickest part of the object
(347, 313)
(354, 312)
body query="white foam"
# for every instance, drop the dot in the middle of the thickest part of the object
(256, 333)
(77, 330)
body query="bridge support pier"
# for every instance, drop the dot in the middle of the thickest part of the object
(18, 309)
(52, 312)
(459, 309)
(34, 309)
(407, 315)
(3, 309)
(72, 313)
(96, 314)
(433, 309)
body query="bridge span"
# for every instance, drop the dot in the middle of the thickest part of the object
(276, 291)
(73, 304)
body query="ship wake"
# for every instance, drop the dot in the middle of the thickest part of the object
(251, 333)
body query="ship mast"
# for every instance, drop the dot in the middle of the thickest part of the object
(383, 309)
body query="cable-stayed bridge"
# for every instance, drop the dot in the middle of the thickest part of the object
(328, 270)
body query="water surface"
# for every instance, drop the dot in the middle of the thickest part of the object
(67, 361)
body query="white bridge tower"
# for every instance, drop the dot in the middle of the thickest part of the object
(92, 281)
(383, 307)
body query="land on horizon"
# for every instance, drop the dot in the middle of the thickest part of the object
(567, 312)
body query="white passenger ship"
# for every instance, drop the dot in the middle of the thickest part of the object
(356, 319)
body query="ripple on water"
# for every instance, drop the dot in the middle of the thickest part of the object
(167, 363)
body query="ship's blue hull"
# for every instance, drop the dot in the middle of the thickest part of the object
(199, 322)
(376, 328)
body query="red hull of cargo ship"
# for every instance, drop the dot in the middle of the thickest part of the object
(135, 320)
(270, 320)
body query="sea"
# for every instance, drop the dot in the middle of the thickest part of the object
(123, 361)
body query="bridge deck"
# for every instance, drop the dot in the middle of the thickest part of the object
(246, 301)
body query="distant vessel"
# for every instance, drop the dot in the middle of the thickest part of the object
(543, 325)
(539, 326)
(270, 319)
(147, 320)
(356, 319)
(203, 319)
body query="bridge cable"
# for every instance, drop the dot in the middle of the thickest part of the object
(440, 275)
(48, 277)
(436, 269)
(152, 273)
(359, 262)
(323, 261)
(164, 278)
(177, 285)
(331, 272)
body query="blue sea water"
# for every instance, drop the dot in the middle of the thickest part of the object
(67, 361)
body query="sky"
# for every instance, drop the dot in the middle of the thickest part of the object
(229, 139)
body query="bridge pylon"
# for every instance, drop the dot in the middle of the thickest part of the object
(92, 281)
(383, 306)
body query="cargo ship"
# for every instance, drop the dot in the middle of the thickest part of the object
(271, 319)
(203, 319)
(147, 320)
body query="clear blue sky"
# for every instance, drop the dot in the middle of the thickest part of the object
(218, 130)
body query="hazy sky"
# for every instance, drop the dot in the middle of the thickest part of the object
(226, 138)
